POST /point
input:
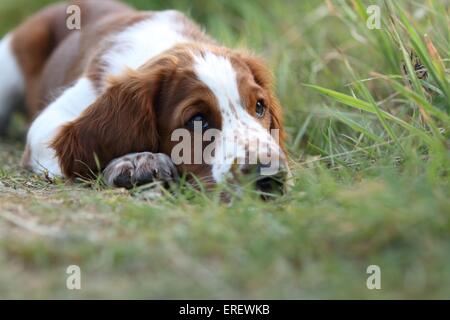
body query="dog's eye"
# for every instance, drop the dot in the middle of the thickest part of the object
(260, 108)
(198, 121)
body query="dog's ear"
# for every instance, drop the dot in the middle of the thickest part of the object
(264, 78)
(120, 121)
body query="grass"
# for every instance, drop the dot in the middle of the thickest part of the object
(369, 142)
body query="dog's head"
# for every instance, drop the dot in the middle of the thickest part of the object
(211, 109)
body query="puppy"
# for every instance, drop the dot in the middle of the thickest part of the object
(116, 94)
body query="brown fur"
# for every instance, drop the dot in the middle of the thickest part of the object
(43, 44)
(138, 111)
(121, 121)
(264, 78)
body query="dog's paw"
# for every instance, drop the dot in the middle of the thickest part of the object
(140, 168)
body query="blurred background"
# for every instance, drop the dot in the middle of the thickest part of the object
(366, 113)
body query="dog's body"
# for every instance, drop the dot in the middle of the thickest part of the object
(110, 94)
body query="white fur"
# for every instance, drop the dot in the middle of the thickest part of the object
(12, 85)
(45, 127)
(131, 48)
(144, 40)
(241, 132)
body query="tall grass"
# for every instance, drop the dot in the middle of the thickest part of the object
(417, 120)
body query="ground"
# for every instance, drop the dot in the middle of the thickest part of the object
(369, 189)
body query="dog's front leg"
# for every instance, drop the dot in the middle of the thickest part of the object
(140, 168)
(39, 156)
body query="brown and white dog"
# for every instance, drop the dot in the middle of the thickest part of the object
(110, 95)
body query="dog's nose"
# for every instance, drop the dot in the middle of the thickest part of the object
(271, 185)
(270, 182)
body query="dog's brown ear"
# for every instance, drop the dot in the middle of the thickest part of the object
(264, 78)
(121, 121)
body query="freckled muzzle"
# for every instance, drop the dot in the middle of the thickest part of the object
(269, 185)
(259, 161)
(247, 147)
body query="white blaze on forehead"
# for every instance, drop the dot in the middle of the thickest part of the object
(144, 40)
(220, 77)
(241, 132)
